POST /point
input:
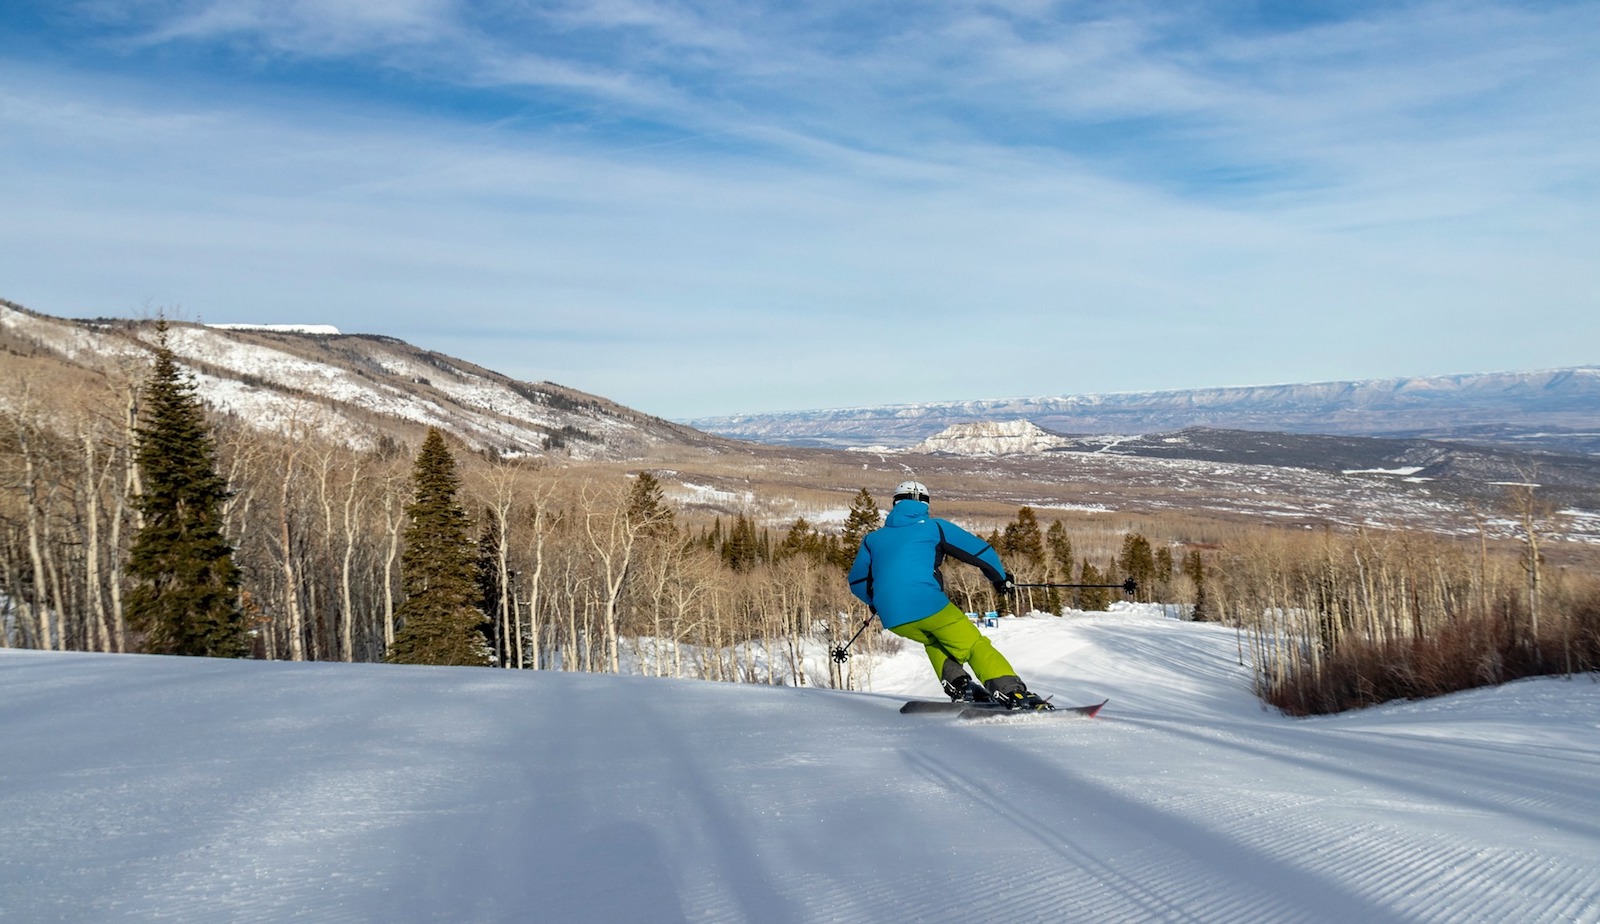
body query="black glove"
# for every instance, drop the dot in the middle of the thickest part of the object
(1004, 586)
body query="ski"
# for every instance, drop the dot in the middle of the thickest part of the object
(987, 710)
(929, 705)
(990, 710)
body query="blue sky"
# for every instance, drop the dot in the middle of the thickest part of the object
(699, 208)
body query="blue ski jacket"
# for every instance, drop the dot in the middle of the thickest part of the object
(896, 571)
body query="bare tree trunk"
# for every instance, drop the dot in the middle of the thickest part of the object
(291, 579)
(38, 611)
(353, 502)
(569, 656)
(119, 621)
(92, 581)
(613, 537)
(535, 640)
(504, 486)
(325, 501)
(393, 519)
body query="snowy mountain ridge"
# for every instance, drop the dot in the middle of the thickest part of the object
(1556, 409)
(353, 388)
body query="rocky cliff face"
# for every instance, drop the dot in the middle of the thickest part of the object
(991, 438)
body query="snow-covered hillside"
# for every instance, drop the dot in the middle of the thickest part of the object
(297, 379)
(142, 788)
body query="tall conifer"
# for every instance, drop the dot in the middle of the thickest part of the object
(863, 518)
(1022, 543)
(1138, 562)
(1060, 546)
(438, 569)
(647, 506)
(185, 594)
(1092, 598)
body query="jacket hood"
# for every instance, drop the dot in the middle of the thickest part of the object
(907, 512)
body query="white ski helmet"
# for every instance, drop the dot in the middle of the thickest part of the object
(911, 490)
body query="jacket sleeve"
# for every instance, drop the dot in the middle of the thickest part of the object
(965, 547)
(861, 575)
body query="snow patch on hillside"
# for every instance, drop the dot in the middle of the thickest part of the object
(70, 340)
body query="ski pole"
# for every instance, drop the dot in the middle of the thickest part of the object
(1130, 586)
(841, 653)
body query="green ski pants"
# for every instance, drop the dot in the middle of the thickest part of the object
(949, 634)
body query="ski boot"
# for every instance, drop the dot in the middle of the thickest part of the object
(963, 690)
(1011, 692)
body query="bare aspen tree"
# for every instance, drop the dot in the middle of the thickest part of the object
(1528, 510)
(394, 518)
(613, 537)
(289, 541)
(122, 512)
(498, 489)
(355, 500)
(37, 610)
(93, 581)
(538, 531)
(659, 575)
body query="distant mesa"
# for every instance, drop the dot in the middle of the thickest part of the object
(991, 438)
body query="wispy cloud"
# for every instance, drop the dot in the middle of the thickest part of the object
(321, 28)
(927, 202)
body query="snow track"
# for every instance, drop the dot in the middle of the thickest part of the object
(158, 788)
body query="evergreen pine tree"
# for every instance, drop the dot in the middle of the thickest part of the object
(864, 517)
(1022, 544)
(1138, 562)
(742, 551)
(438, 569)
(1060, 545)
(1092, 598)
(185, 595)
(803, 539)
(1164, 565)
(647, 506)
(1194, 568)
(1060, 548)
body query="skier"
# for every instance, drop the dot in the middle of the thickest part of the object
(896, 574)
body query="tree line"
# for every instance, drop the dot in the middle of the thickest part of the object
(158, 529)
(130, 520)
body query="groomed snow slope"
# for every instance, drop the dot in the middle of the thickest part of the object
(144, 788)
